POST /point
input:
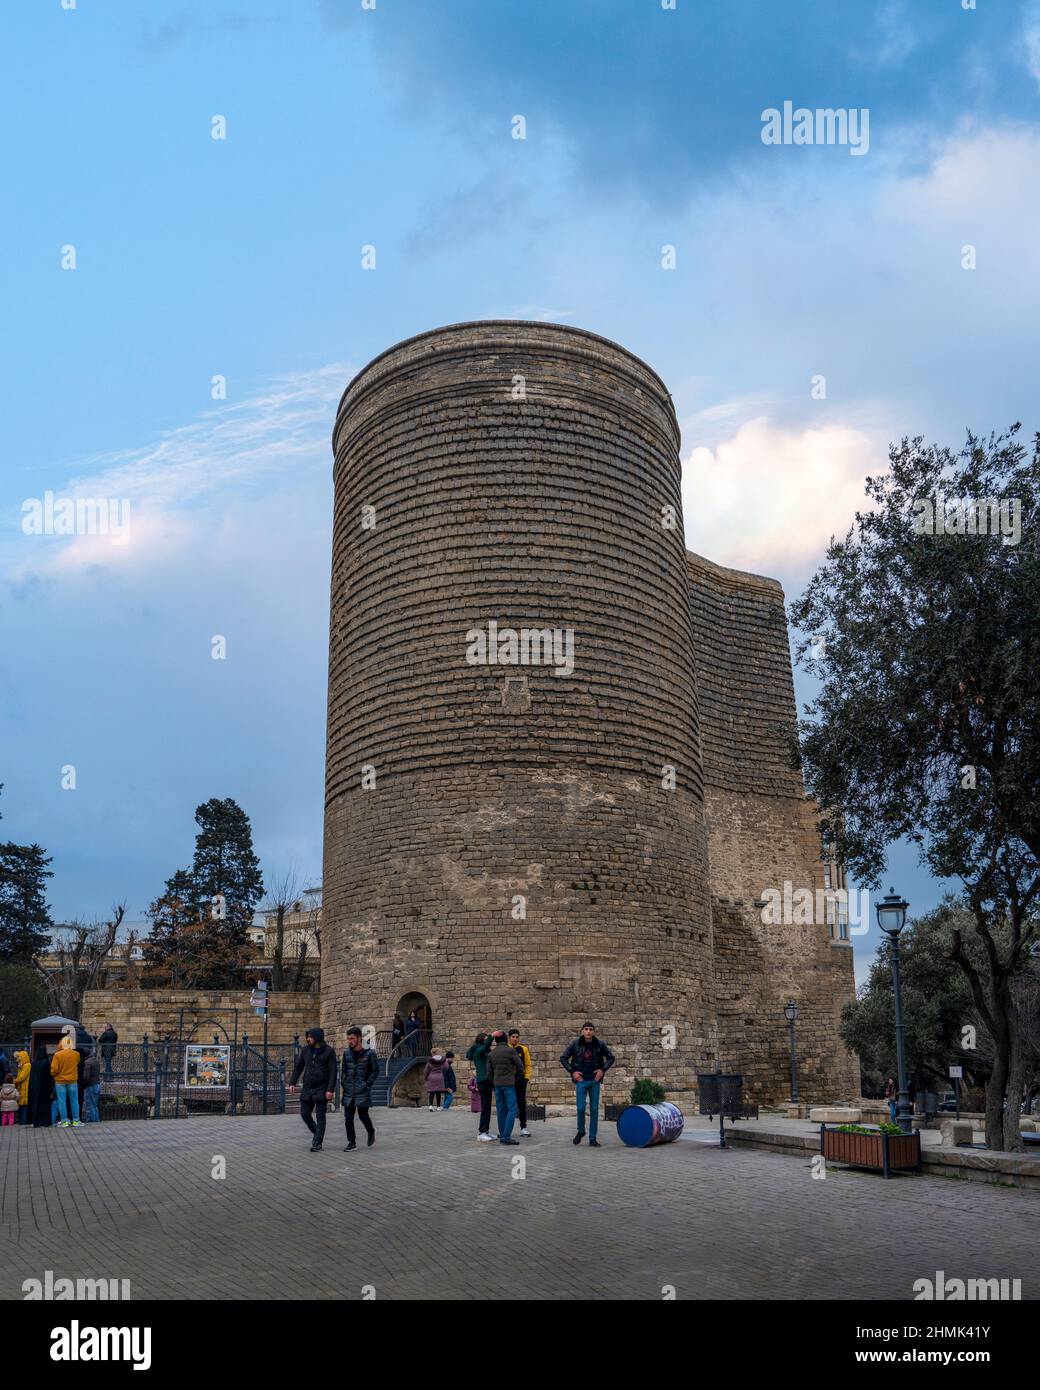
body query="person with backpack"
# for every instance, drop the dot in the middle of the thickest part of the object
(451, 1085)
(505, 1069)
(358, 1070)
(586, 1061)
(477, 1053)
(317, 1065)
(521, 1086)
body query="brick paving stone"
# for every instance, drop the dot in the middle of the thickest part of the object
(429, 1212)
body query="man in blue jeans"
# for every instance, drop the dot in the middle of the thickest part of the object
(504, 1069)
(586, 1061)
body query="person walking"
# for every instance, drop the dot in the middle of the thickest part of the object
(317, 1065)
(65, 1070)
(411, 1034)
(521, 1086)
(91, 1087)
(8, 1100)
(41, 1089)
(451, 1085)
(890, 1096)
(21, 1080)
(107, 1041)
(433, 1078)
(477, 1053)
(359, 1068)
(587, 1060)
(505, 1069)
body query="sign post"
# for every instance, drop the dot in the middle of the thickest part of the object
(258, 999)
(955, 1075)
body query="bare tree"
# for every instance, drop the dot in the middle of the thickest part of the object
(282, 897)
(80, 953)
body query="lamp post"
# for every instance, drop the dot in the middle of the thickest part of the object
(791, 1013)
(891, 915)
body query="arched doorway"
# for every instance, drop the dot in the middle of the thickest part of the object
(416, 1044)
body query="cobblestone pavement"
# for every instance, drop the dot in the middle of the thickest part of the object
(429, 1212)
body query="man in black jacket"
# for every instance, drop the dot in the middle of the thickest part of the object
(587, 1061)
(317, 1064)
(107, 1041)
(358, 1070)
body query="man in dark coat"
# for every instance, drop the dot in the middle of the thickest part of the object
(107, 1040)
(317, 1065)
(587, 1060)
(358, 1070)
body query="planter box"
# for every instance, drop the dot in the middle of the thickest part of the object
(881, 1153)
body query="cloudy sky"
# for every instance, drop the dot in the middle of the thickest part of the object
(198, 258)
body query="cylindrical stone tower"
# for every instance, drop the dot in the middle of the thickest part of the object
(514, 829)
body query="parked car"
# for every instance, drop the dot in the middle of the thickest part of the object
(949, 1101)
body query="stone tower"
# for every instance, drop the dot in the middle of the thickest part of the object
(515, 823)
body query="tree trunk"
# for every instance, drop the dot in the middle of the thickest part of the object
(279, 948)
(1012, 1142)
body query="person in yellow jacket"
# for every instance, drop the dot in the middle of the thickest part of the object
(21, 1080)
(65, 1070)
(521, 1086)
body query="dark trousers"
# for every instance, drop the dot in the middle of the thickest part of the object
(349, 1111)
(433, 1097)
(487, 1093)
(521, 1102)
(317, 1108)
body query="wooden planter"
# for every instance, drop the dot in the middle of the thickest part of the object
(881, 1153)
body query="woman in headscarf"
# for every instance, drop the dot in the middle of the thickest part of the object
(41, 1089)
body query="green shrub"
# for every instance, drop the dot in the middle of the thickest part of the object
(647, 1092)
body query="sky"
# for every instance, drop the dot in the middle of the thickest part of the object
(145, 261)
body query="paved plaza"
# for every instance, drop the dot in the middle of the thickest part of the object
(430, 1213)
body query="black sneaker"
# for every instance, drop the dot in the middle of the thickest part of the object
(515, 1142)
(593, 1143)
(315, 1147)
(578, 1137)
(371, 1139)
(349, 1148)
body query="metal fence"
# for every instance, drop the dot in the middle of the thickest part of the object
(148, 1079)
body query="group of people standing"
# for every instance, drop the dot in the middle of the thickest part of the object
(501, 1073)
(49, 1090)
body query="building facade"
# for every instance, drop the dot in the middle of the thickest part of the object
(558, 776)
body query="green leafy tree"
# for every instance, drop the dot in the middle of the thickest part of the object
(937, 1003)
(927, 647)
(25, 919)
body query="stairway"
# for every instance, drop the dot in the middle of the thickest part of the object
(383, 1084)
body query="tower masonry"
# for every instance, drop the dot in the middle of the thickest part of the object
(557, 778)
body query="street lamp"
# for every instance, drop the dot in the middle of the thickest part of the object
(791, 1013)
(891, 915)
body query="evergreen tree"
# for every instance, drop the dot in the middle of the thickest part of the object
(25, 919)
(200, 924)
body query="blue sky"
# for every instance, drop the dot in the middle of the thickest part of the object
(241, 258)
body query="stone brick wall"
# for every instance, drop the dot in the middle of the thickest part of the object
(497, 781)
(762, 832)
(518, 472)
(134, 1012)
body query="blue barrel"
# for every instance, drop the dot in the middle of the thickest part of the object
(639, 1126)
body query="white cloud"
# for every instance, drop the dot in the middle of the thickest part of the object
(769, 498)
(192, 477)
(1031, 37)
